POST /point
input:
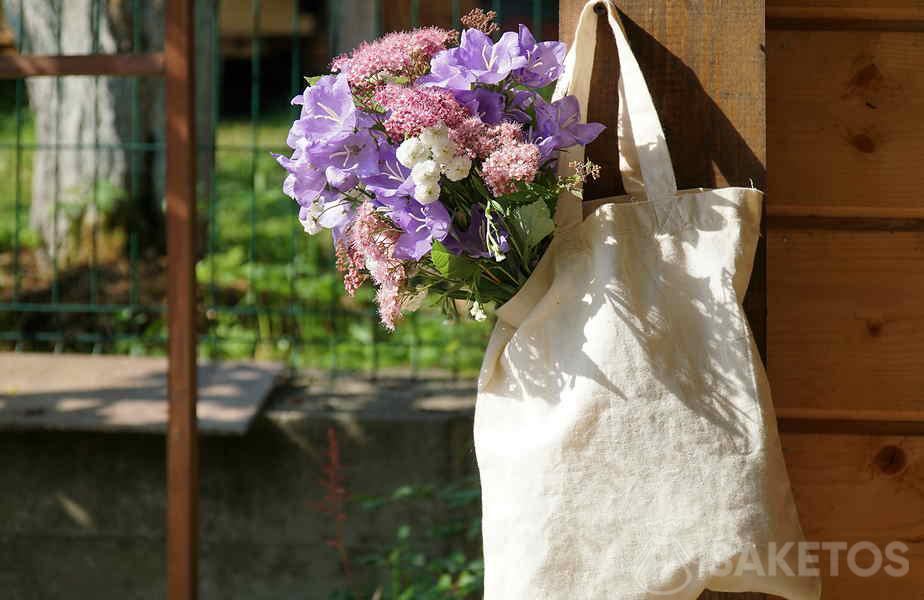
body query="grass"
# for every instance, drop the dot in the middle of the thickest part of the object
(15, 173)
(267, 290)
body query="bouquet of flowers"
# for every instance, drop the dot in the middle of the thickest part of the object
(432, 157)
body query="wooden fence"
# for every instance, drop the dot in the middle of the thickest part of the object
(176, 65)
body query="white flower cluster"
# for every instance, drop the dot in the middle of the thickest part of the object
(430, 155)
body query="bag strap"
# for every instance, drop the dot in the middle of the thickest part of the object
(644, 160)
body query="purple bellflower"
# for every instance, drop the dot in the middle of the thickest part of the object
(391, 179)
(558, 126)
(420, 225)
(484, 103)
(304, 182)
(476, 60)
(346, 159)
(544, 60)
(328, 111)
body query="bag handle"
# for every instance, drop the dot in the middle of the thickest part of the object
(644, 160)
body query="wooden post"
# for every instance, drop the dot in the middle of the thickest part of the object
(705, 65)
(182, 451)
(15, 66)
(704, 62)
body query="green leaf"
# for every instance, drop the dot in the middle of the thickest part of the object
(489, 291)
(533, 221)
(547, 92)
(449, 265)
(313, 79)
(528, 193)
(481, 189)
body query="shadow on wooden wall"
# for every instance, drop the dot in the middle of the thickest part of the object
(708, 148)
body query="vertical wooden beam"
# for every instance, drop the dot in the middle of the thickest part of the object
(182, 444)
(705, 65)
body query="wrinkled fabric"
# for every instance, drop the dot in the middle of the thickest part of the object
(624, 430)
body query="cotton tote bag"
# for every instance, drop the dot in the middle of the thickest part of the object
(624, 431)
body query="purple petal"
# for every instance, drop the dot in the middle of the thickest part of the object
(482, 102)
(412, 246)
(340, 179)
(357, 153)
(327, 110)
(335, 214)
(391, 177)
(505, 57)
(544, 61)
(421, 224)
(447, 72)
(585, 133)
(526, 39)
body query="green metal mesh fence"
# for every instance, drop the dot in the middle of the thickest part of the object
(94, 280)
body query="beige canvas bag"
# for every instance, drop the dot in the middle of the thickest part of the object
(625, 436)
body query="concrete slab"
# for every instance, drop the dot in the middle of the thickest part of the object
(120, 393)
(392, 395)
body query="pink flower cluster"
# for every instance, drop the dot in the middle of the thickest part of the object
(398, 54)
(413, 109)
(350, 263)
(510, 164)
(478, 140)
(508, 160)
(368, 245)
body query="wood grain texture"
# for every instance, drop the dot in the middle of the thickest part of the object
(182, 432)
(845, 83)
(846, 324)
(861, 488)
(845, 121)
(15, 66)
(882, 15)
(704, 63)
(723, 596)
(878, 5)
(841, 13)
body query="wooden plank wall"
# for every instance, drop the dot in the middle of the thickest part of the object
(845, 123)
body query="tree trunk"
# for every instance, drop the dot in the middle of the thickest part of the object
(88, 169)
